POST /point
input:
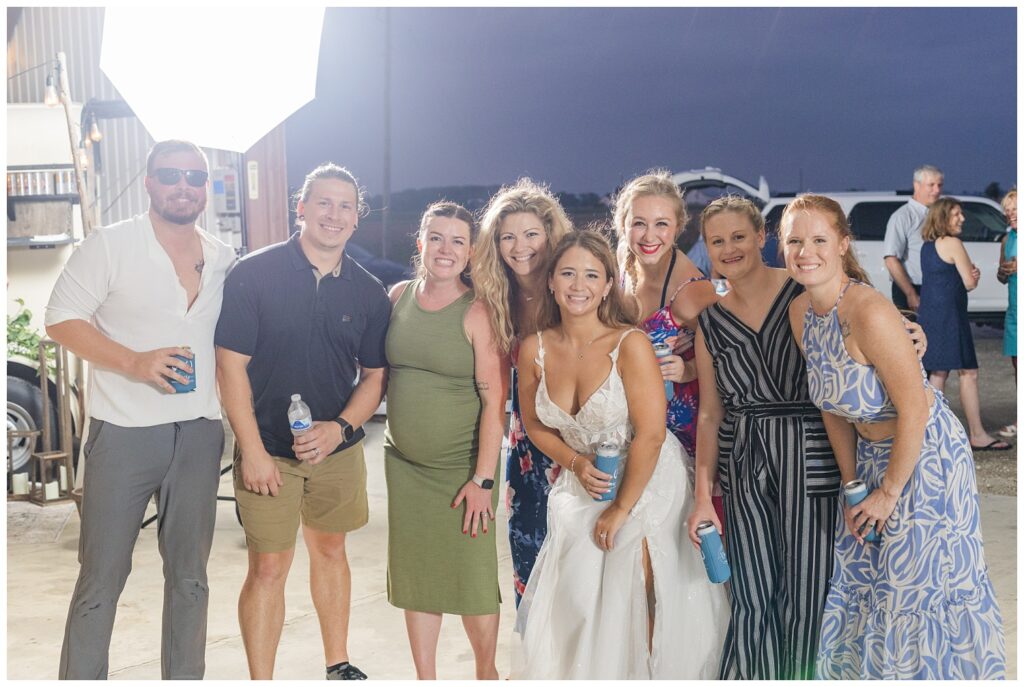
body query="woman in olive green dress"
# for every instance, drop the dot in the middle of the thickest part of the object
(446, 415)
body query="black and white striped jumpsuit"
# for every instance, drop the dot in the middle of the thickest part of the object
(779, 480)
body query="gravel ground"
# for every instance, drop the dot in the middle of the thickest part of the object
(997, 470)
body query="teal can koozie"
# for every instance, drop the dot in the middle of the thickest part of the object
(608, 459)
(190, 377)
(662, 350)
(711, 550)
(856, 491)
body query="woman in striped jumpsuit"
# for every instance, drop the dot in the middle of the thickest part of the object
(778, 475)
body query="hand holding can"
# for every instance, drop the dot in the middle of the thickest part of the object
(608, 460)
(856, 491)
(189, 375)
(661, 351)
(711, 550)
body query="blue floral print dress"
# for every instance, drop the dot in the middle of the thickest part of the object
(530, 475)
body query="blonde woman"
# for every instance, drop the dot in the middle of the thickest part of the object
(520, 227)
(670, 290)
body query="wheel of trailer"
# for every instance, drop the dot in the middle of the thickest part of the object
(25, 413)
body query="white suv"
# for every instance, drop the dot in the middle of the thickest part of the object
(869, 212)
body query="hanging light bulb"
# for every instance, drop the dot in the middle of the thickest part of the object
(50, 98)
(95, 135)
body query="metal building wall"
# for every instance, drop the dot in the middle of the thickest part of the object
(39, 34)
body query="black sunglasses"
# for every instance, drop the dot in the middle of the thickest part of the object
(169, 176)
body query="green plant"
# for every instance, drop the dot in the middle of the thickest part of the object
(22, 338)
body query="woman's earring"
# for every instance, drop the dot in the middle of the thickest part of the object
(302, 218)
(604, 298)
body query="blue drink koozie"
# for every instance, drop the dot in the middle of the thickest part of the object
(190, 377)
(607, 461)
(713, 553)
(661, 350)
(856, 491)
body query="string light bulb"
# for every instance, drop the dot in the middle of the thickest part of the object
(95, 135)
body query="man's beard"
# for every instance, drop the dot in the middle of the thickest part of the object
(182, 218)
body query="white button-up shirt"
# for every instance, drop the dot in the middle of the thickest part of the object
(122, 281)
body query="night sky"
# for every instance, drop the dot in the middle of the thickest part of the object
(585, 97)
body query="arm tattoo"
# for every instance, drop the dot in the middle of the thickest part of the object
(481, 386)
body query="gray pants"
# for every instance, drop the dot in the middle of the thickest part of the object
(180, 462)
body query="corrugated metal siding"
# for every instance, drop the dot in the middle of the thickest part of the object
(41, 32)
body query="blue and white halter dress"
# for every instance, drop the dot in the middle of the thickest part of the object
(919, 604)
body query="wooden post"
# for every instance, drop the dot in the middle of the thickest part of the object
(65, 98)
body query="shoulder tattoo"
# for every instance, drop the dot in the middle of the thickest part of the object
(844, 328)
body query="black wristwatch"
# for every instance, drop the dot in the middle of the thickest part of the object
(347, 430)
(483, 483)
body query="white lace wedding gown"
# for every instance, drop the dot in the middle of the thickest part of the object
(584, 612)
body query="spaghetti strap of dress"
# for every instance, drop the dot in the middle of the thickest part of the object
(540, 351)
(615, 351)
(684, 285)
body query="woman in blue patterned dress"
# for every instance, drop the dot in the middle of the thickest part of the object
(1007, 274)
(520, 227)
(918, 604)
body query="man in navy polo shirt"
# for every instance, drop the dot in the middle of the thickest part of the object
(302, 317)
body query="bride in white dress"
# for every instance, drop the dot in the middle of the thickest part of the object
(617, 592)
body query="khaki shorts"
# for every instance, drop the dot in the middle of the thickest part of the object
(330, 496)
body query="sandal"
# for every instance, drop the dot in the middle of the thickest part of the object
(995, 445)
(1009, 431)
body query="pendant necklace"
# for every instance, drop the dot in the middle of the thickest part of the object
(585, 346)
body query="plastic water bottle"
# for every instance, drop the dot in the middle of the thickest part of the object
(299, 418)
(608, 458)
(662, 350)
(713, 553)
(856, 491)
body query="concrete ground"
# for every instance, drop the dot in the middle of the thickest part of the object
(42, 567)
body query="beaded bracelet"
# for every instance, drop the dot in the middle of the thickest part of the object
(572, 463)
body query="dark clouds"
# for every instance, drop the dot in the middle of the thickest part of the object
(852, 98)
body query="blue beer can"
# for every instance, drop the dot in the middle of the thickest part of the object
(661, 350)
(713, 553)
(608, 459)
(856, 491)
(190, 377)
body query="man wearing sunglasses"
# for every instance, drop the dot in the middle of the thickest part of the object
(140, 300)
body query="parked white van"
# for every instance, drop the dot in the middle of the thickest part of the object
(869, 212)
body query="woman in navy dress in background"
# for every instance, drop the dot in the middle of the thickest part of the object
(947, 274)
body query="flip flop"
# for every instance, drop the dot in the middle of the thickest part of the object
(993, 447)
(1009, 431)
